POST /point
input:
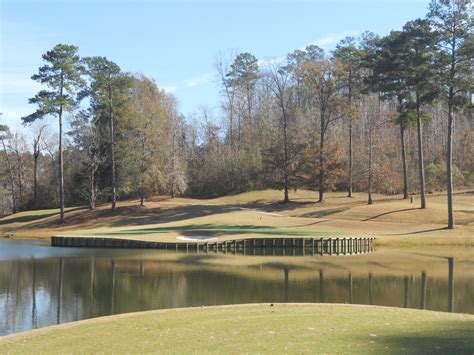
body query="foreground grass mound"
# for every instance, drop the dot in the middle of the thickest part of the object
(260, 328)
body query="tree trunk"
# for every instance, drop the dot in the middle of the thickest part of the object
(321, 164)
(61, 167)
(249, 125)
(369, 185)
(449, 166)
(12, 179)
(35, 178)
(404, 161)
(20, 184)
(420, 157)
(231, 125)
(142, 172)
(92, 192)
(173, 164)
(112, 142)
(351, 161)
(449, 158)
(285, 138)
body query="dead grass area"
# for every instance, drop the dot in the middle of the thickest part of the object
(393, 221)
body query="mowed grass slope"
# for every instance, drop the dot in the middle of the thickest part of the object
(392, 220)
(281, 328)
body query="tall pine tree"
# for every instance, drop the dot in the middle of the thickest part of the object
(62, 74)
(453, 21)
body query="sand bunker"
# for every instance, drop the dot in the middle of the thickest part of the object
(196, 238)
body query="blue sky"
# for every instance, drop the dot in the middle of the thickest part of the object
(177, 42)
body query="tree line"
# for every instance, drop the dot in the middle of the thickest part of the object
(388, 114)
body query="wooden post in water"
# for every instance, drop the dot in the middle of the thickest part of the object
(142, 277)
(18, 291)
(33, 292)
(451, 284)
(286, 284)
(10, 285)
(321, 286)
(370, 288)
(423, 290)
(60, 291)
(350, 289)
(112, 296)
(91, 287)
(405, 294)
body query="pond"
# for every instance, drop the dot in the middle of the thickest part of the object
(42, 285)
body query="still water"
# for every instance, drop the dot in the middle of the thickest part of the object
(41, 285)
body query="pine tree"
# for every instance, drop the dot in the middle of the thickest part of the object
(453, 21)
(62, 74)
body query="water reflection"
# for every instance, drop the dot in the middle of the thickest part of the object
(52, 290)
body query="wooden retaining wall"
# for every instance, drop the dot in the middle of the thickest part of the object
(310, 246)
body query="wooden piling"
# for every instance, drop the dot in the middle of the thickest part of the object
(330, 246)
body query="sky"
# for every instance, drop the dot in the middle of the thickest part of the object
(177, 42)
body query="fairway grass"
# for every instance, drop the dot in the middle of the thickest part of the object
(281, 328)
(393, 221)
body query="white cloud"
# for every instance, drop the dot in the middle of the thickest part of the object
(18, 82)
(268, 61)
(170, 88)
(202, 79)
(196, 81)
(11, 115)
(329, 40)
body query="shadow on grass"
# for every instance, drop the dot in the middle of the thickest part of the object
(423, 231)
(27, 218)
(274, 206)
(323, 213)
(139, 217)
(69, 215)
(218, 230)
(390, 212)
(465, 211)
(36, 217)
(447, 337)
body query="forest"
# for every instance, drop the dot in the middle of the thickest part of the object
(389, 114)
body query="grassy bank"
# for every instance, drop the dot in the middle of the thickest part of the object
(258, 328)
(395, 222)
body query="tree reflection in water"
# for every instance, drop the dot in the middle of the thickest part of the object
(37, 292)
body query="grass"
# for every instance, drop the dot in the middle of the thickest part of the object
(216, 230)
(289, 328)
(393, 221)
